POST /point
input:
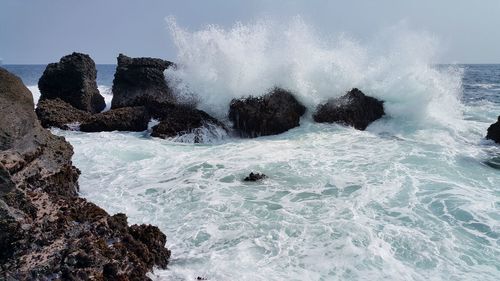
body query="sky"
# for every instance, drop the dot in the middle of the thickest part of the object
(39, 32)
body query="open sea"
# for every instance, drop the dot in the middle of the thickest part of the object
(414, 197)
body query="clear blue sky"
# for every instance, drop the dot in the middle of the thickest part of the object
(36, 31)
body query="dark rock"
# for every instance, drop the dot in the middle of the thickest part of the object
(180, 120)
(139, 81)
(73, 80)
(134, 119)
(274, 113)
(494, 131)
(57, 113)
(352, 109)
(46, 231)
(255, 177)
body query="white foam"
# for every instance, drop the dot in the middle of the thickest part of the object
(219, 64)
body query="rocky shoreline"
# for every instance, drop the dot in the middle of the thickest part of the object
(46, 230)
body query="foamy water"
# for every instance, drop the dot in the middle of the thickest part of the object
(414, 197)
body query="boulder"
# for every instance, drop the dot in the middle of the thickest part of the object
(353, 109)
(274, 113)
(134, 119)
(178, 120)
(60, 114)
(139, 81)
(255, 177)
(73, 80)
(47, 232)
(494, 131)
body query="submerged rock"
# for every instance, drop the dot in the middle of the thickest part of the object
(134, 119)
(46, 231)
(73, 80)
(177, 120)
(274, 113)
(255, 177)
(353, 109)
(494, 131)
(60, 114)
(139, 81)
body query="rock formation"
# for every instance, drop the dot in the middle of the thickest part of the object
(120, 119)
(255, 177)
(139, 81)
(274, 113)
(46, 231)
(73, 80)
(494, 131)
(352, 109)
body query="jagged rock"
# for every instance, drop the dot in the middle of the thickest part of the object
(46, 231)
(139, 81)
(73, 80)
(255, 177)
(352, 109)
(60, 114)
(274, 113)
(494, 131)
(121, 119)
(179, 120)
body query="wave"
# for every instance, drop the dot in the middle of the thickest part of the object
(218, 64)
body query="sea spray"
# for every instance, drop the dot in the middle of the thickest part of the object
(219, 64)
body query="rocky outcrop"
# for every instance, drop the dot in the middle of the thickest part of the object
(121, 119)
(139, 81)
(73, 80)
(494, 131)
(255, 177)
(60, 114)
(274, 113)
(46, 231)
(353, 109)
(177, 120)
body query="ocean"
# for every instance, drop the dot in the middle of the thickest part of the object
(414, 197)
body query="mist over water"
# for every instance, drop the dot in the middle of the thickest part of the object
(414, 197)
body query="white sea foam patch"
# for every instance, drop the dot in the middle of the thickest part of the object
(35, 92)
(220, 64)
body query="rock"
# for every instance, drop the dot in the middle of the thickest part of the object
(60, 114)
(255, 177)
(274, 113)
(134, 119)
(177, 120)
(73, 80)
(494, 131)
(46, 231)
(139, 81)
(352, 109)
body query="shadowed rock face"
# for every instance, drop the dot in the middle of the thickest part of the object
(46, 230)
(494, 131)
(178, 120)
(271, 114)
(60, 114)
(72, 80)
(120, 119)
(139, 81)
(353, 109)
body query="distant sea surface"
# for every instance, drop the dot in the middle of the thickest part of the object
(414, 197)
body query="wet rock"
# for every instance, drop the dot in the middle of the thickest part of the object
(60, 114)
(179, 120)
(46, 231)
(494, 131)
(255, 177)
(133, 119)
(274, 113)
(353, 109)
(139, 81)
(73, 80)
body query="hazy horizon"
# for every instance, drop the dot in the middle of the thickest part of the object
(467, 32)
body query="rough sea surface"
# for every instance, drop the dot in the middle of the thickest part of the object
(414, 197)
